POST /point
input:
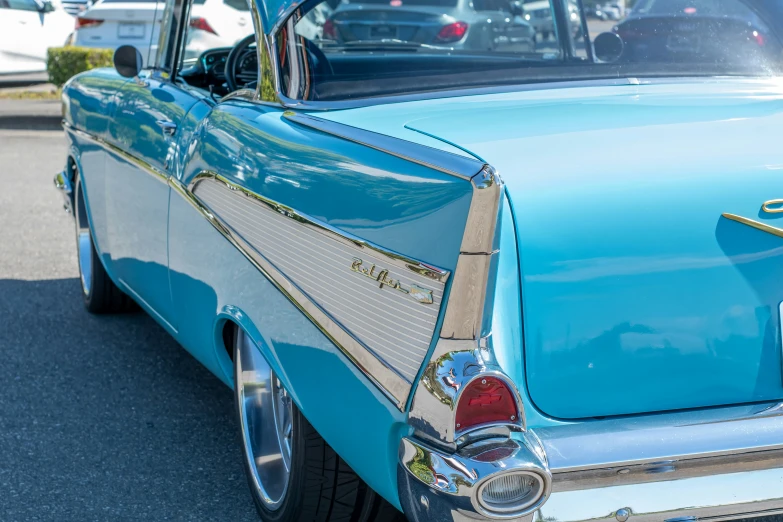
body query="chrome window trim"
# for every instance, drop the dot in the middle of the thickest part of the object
(386, 379)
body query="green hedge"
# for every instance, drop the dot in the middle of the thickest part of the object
(64, 62)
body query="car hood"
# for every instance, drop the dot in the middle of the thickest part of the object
(638, 294)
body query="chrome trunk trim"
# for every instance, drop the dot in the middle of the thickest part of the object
(669, 437)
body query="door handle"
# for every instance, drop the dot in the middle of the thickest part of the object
(169, 128)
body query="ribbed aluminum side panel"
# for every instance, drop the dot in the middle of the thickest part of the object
(394, 326)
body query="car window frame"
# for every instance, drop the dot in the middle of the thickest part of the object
(170, 43)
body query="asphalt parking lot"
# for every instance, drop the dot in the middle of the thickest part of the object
(101, 418)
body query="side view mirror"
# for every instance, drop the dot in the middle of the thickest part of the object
(608, 47)
(516, 8)
(128, 61)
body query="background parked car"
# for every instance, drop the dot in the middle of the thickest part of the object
(217, 23)
(703, 31)
(27, 29)
(76, 7)
(458, 24)
(112, 23)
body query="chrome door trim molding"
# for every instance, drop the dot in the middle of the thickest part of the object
(442, 161)
(139, 163)
(385, 378)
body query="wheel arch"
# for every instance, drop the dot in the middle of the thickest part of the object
(228, 322)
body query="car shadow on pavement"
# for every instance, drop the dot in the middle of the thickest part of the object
(107, 417)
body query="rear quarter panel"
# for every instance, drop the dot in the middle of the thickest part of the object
(404, 207)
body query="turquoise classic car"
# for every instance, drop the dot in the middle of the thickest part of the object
(447, 284)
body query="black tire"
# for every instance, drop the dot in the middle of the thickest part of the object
(100, 294)
(321, 486)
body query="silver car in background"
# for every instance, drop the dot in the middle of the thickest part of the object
(480, 25)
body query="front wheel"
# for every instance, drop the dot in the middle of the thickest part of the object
(100, 294)
(294, 475)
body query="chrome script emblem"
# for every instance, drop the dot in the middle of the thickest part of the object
(381, 276)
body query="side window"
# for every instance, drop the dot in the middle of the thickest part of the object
(23, 5)
(239, 5)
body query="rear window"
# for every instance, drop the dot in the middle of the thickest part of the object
(348, 49)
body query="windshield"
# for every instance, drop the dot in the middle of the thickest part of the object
(341, 49)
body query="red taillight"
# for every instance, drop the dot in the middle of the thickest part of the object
(486, 400)
(452, 32)
(201, 23)
(329, 30)
(81, 23)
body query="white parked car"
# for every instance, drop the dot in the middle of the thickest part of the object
(112, 23)
(109, 24)
(217, 23)
(27, 29)
(76, 7)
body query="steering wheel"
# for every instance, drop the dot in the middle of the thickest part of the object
(318, 61)
(234, 59)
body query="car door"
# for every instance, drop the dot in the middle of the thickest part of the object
(22, 36)
(144, 138)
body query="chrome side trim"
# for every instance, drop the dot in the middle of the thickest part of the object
(388, 377)
(464, 349)
(446, 162)
(775, 231)
(155, 172)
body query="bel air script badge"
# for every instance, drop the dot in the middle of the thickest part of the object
(381, 275)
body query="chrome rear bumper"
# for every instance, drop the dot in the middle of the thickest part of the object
(709, 465)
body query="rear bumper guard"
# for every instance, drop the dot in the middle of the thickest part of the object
(710, 465)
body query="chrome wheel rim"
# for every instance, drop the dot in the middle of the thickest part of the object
(83, 243)
(266, 417)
